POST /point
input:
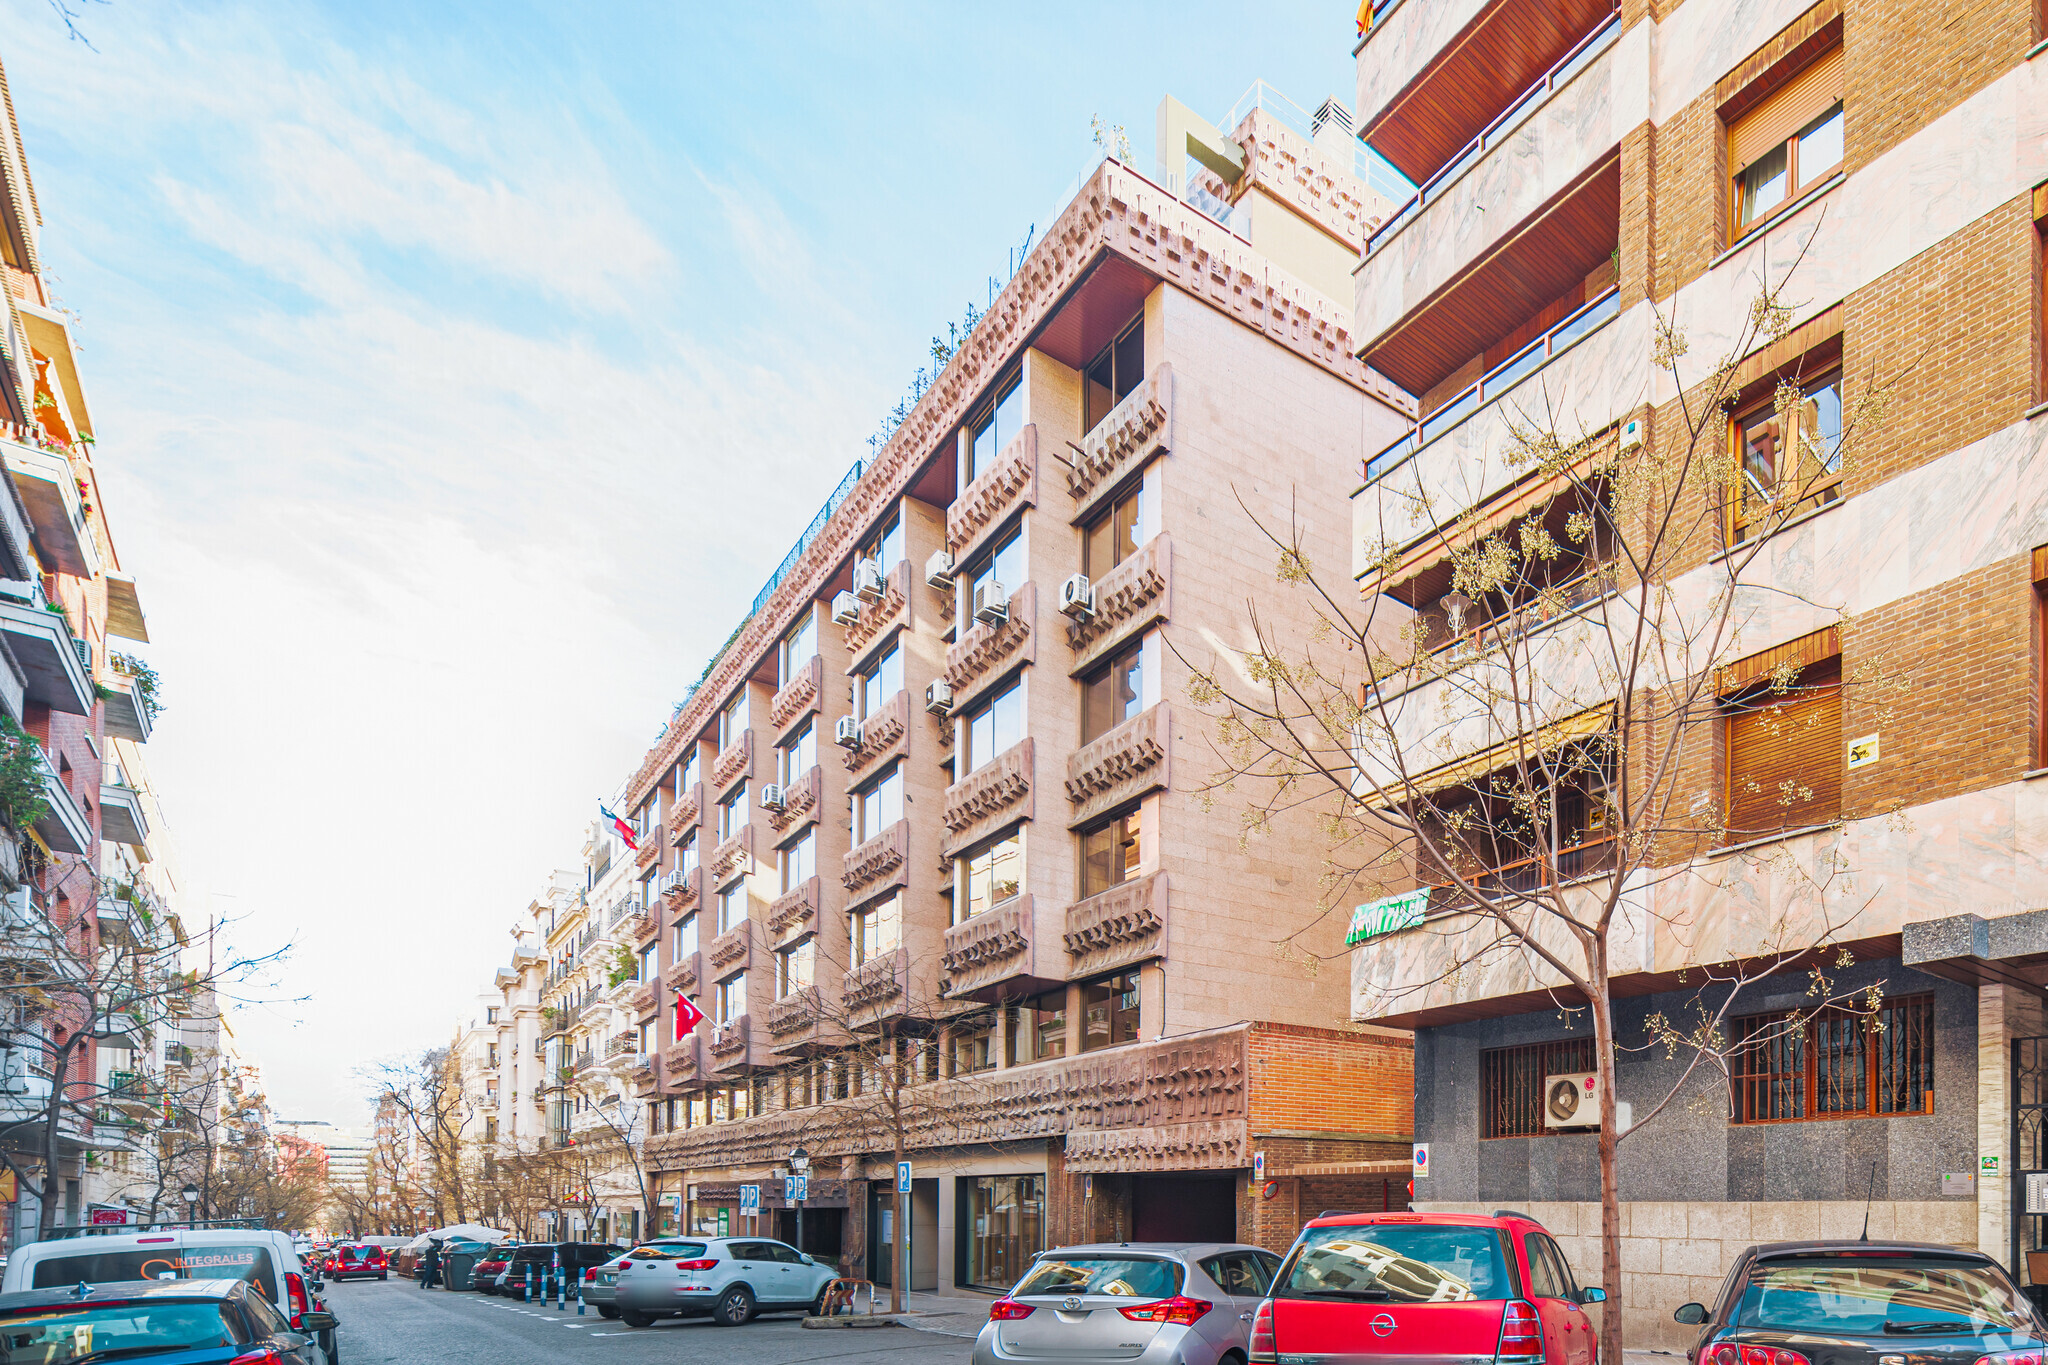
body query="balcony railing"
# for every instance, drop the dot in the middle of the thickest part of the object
(1510, 119)
(1529, 876)
(1494, 383)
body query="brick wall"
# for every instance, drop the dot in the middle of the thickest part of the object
(1331, 1080)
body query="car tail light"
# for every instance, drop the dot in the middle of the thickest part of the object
(1180, 1310)
(2011, 1358)
(696, 1265)
(1264, 1350)
(1521, 1333)
(295, 1294)
(267, 1356)
(1728, 1353)
(590, 1275)
(1008, 1310)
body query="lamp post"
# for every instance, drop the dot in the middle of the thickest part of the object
(191, 1196)
(800, 1167)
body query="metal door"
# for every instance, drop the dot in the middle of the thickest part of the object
(2029, 1173)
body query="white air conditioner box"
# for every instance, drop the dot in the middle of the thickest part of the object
(1632, 434)
(867, 580)
(938, 699)
(773, 797)
(1571, 1101)
(1077, 597)
(938, 570)
(991, 604)
(845, 609)
(847, 733)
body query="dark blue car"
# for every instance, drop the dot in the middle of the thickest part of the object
(162, 1322)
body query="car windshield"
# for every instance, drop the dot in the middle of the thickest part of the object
(1133, 1276)
(1397, 1263)
(208, 1262)
(47, 1336)
(1869, 1296)
(667, 1251)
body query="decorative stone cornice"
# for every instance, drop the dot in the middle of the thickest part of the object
(988, 948)
(682, 816)
(1123, 763)
(684, 893)
(793, 1012)
(986, 652)
(882, 735)
(1136, 428)
(799, 803)
(647, 855)
(733, 948)
(877, 617)
(876, 981)
(799, 906)
(681, 977)
(728, 1045)
(680, 1062)
(879, 862)
(1215, 1145)
(641, 927)
(990, 797)
(1122, 925)
(798, 698)
(729, 859)
(1129, 598)
(984, 505)
(1288, 166)
(642, 1000)
(734, 763)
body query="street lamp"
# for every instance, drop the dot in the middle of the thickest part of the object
(800, 1167)
(191, 1194)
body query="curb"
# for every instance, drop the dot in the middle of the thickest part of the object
(848, 1320)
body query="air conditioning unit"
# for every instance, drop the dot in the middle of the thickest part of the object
(991, 604)
(845, 609)
(867, 580)
(846, 734)
(670, 881)
(1077, 597)
(1632, 434)
(773, 797)
(938, 699)
(938, 570)
(1571, 1101)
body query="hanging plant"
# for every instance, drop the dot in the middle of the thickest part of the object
(22, 797)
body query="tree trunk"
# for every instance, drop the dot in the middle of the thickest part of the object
(899, 1272)
(60, 1071)
(1601, 1005)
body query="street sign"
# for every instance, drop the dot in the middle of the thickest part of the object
(903, 1177)
(725, 1222)
(1421, 1160)
(1258, 1168)
(803, 1188)
(789, 1189)
(750, 1201)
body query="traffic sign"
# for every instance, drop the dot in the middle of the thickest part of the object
(750, 1200)
(903, 1177)
(789, 1189)
(803, 1188)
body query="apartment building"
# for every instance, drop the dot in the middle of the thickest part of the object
(1582, 170)
(937, 804)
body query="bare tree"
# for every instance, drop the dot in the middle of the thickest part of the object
(430, 1104)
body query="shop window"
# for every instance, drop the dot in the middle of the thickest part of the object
(1784, 752)
(1112, 375)
(1110, 853)
(1511, 1098)
(988, 876)
(1109, 1011)
(1788, 461)
(1837, 1064)
(1005, 1225)
(1038, 1029)
(1786, 143)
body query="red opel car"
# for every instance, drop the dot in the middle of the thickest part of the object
(1445, 1286)
(358, 1263)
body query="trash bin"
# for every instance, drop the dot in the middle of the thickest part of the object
(456, 1266)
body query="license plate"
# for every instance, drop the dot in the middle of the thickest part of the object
(607, 1279)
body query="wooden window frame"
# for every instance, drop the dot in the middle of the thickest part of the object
(1554, 1058)
(1909, 1018)
(1825, 491)
(1809, 44)
(1759, 696)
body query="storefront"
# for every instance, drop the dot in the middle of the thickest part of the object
(1001, 1227)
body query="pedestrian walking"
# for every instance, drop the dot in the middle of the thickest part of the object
(430, 1266)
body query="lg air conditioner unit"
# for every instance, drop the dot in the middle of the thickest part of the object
(773, 797)
(938, 570)
(1077, 597)
(867, 580)
(845, 609)
(1571, 1101)
(991, 604)
(846, 734)
(938, 699)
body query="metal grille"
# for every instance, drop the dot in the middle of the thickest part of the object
(2030, 1163)
(1511, 1084)
(1836, 1064)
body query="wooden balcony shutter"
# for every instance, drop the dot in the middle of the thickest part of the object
(1785, 755)
(1783, 112)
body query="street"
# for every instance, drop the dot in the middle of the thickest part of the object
(396, 1321)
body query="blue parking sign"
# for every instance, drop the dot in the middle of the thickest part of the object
(803, 1188)
(903, 1177)
(750, 1200)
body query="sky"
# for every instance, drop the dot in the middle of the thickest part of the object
(438, 356)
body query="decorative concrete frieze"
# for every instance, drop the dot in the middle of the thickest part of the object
(1130, 597)
(877, 981)
(879, 863)
(640, 928)
(1133, 432)
(988, 948)
(793, 908)
(1119, 765)
(730, 858)
(647, 855)
(798, 697)
(799, 803)
(883, 736)
(1117, 927)
(878, 618)
(732, 950)
(986, 504)
(793, 1012)
(680, 1062)
(682, 816)
(684, 891)
(681, 976)
(728, 1045)
(734, 763)
(642, 1000)
(987, 653)
(1209, 1145)
(996, 794)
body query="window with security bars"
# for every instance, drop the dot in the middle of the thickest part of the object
(1511, 1084)
(1837, 1064)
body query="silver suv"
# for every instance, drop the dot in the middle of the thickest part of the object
(729, 1279)
(1158, 1303)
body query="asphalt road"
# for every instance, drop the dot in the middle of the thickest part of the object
(396, 1321)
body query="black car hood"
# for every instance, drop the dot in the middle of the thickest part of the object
(1961, 1348)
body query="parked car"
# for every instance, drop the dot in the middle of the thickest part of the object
(194, 1322)
(1165, 1303)
(541, 1259)
(1397, 1285)
(1856, 1303)
(601, 1283)
(484, 1277)
(358, 1263)
(728, 1279)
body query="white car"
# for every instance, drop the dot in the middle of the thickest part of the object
(728, 1279)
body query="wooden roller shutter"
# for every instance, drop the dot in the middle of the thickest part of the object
(1786, 110)
(1785, 755)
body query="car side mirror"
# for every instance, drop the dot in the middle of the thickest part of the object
(316, 1284)
(1691, 1314)
(1593, 1294)
(310, 1323)
(807, 1257)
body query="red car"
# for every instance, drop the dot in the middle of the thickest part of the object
(1404, 1286)
(358, 1263)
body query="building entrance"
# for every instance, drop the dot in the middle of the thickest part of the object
(2029, 1176)
(1184, 1208)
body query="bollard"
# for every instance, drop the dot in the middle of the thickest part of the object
(562, 1290)
(579, 1298)
(529, 1283)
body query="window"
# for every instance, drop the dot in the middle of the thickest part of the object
(794, 966)
(732, 721)
(974, 1046)
(732, 813)
(1836, 1064)
(1785, 753)
(1007, 1215)
(647, 969)
(994, 725)
(1110, 379)
(1511, 1084)
(799, 860)
(1578, 522)
(1790, 461)
(885, 544)
(1109, 1011)
(687, 860)
(1115, 692)
(878, 805)
(686, 938)
(689, 774)
(732, 907)
(1038, 1028)
(1116, 533)
(876, 929)
(1498, 830)
(1110, 852)
(989, 876)
(1786, 143)
(490, 1014)
(878, 682)
(799, 647)
(1002, 572)
(994, 429)
(729, 1000)
(795, 759)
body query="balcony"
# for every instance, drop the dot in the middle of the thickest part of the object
(989, 957)
(121, 817)
(992, 796)
(799, 802)
(727, 1048)
(793, 1021)
(682, 816)
(877, 616)
(49, 489)
(798, 697)
(871, 987)
(641, 1001)
(1135, 429)
(682, 975)
(986, 504)
(1130, 597)
(732, 951)
(63, 826)
(793, 908)
(882, 736)
(1121, 765)
(17, 548)
(1526, 877)
(128, 715)
(1117, 927)
(734, 763)
(53, 671)
(986, 653)
(879, 863)
(730, 859)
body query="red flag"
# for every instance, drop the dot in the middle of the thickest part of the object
(688, 1016)
(625, 830)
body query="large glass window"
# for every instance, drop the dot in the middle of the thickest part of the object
(1791, 461)
(732, 721)
(732, 907)
(794, 966)
(1110, 852)
(995, 428)
(994, 725)
(989, 876)
(1113, 374)
(885, 545)
(1003, 567)
(1109, 1011)
(878, 805)
(688, 855)
(799, 647)
(689, 774)
(1113, 693)
(795, 759)
(878, 682)
(1006, 1227)
(729, 1000)
(686, 937)
(876, 929)
(799, 860)
(1116, 532)
(732, 813)
(1038, 1028)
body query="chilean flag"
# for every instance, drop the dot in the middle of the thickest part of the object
(625, 830)
(688, 1016)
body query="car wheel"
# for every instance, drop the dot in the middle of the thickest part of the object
(605, 1310)
(735, 1306)
(817, 1308)
(633, 1319)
